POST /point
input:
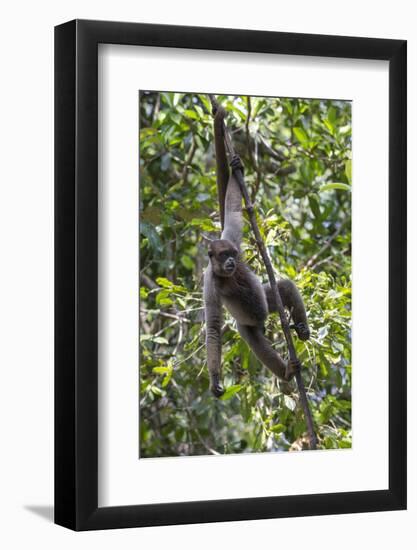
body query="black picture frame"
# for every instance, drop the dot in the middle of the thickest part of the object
(76, 272)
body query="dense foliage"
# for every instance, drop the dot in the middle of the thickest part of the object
(297, 158)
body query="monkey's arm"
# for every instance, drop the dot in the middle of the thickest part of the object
(213, 318)
(291, 299)
(222, 166)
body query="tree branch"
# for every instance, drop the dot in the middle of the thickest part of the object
(188, 161)
(326, 245)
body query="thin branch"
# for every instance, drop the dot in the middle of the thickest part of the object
(166, 327)
(179, 341)
(188, 161)
(325, 246)
(147, 281)
(179, 318)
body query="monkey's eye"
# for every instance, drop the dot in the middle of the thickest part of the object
(228, 254)
(210, 253)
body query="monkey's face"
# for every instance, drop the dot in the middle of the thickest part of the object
(223, 257)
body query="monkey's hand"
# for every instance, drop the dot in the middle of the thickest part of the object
(293, 367)
(236, 164)
(216, 388)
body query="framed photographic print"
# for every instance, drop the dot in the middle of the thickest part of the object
(230, 252)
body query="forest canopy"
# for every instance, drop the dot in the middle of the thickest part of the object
(297, 159)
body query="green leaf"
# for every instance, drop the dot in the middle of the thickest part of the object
(168, 285)
(299, 428)
(175, 140)
(167, 96)
(191, 114)
(331, 115)
(315, 207)
(278, 428)
(187, 262)
(167, 379)
(156, 391)
(164, 282)
(147, 132)
(348, 170)
(240, 113)
(301, 135)
(337, 185)
(259, 104)
(329, 125)
(148, 231)
(203, 223)
(231, 391)
(160, 340)
(185, 214)
(155, 339)
(165, 302)
(166, 371)
(163, 299)
(165, 162)
(160, 370)
(152, 214)
(204, 100)
(289, 402)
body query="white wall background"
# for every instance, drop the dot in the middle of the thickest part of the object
(26, 277)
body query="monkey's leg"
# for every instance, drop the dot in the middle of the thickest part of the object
(233, 218)
(291, 299)
(264, 351)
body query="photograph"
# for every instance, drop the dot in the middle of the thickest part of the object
(208, 333)
(245, 274)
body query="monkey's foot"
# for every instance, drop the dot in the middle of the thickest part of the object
(302, 330)
(216, 388)
(236, 163)
(293, 367)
